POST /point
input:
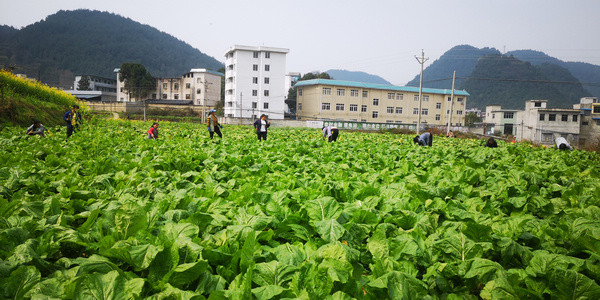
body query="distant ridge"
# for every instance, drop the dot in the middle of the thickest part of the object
(356, 76)
(94, 42)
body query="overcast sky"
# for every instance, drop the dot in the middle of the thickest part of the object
(377, 37)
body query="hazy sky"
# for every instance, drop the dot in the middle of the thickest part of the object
(378, 37)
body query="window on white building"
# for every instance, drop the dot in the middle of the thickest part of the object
(187, 85)
(267, 54)
(390, 110)
(255, 54)
(425, 111)
(459, 112)
(363, 108)
(254, 67)
(365, 94)
(254, 93)
(176, 96)
(391, 96)
(438, 105)
(267, 68)
(564, 118)
(299, 106)
(266, 80)
(574, 118)
(254, 105)
(188, 97)
(165, 86)
(438, 117)
(326, 106)
(415, 111)
(416, 97)
(266, 93)
(266, 105)
(542, 116)
(255, 80)
(339, 106)
(354, 93)
(375, 101)
(552, 117)
(299, 92)
(198, 91)
(399, 96)
(375, 114)
(425, 98)
(341, 92)
(399, 110)
(507, 115)
(176, 86)
(326, 91)
(164, 96)
(353, 107)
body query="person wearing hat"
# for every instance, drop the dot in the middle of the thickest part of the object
(261, 126)
(212, 124)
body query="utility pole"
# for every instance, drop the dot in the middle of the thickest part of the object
(204, 83)
(451, 103)
(422, 61)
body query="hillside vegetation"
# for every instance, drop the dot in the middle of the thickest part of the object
(94, 42)
(22, 100)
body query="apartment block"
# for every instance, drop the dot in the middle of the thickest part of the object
(336, 100)
(255, 82)
(589, 108)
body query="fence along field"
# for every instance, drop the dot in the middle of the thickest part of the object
(372, 216)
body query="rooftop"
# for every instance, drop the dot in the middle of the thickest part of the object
(379, 86)
(254, 48)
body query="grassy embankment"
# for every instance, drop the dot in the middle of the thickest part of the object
(22, 100)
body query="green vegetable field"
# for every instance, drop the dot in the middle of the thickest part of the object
(109, 214)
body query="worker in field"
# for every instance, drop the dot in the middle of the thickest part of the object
(562, 144)
(450, 134)
(212, 124)
(491, 143)
(331, 132)
(425, 139)
(153, 131)
(36, 129)
(73, 119)
(261, 125)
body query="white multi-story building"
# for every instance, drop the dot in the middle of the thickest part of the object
(99, 88)
(197, 87)
(255, 82)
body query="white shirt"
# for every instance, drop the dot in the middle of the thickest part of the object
(263, 125)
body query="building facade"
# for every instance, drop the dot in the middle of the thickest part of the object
(589, 108)
(326, 99)
(500, 121)
(197, 87)
(255, 82)
(99, 89)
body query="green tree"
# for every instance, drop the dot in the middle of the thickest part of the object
(472, 118)
(84, 83)
(292, 94)
(139, 83)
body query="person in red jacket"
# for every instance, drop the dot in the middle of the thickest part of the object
(153, 131)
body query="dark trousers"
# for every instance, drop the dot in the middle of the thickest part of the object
(69, 130)
(217, 131)
(430, 142)
(261, 135)
(334, 135)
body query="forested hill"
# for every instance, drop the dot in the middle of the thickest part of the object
(508, 81)
(461, 59)
(94, 42)
(584, 72)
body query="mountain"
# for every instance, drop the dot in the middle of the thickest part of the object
(356, 76)
(461, 59)
(584, 72)
(508, 81)
(94, 42)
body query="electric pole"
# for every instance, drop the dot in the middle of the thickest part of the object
(421, 61)
(204, 83)
(451, 103)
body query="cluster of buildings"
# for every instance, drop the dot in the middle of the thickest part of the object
(256, 83)
(580, 125)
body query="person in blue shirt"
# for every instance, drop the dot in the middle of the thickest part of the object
(425, 139)
(73, 119)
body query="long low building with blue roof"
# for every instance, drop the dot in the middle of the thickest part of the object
(327, 99)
